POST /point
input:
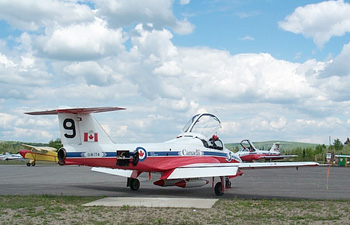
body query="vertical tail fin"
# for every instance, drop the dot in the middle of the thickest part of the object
(275, 147)
(81, 129)
(78, 126)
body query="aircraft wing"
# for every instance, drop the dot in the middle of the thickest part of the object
(224, 169)
(201, 170)
(275, 165)
(189, 171)
(277, 156)
(42, 150)
(206, 169)
(117, 172)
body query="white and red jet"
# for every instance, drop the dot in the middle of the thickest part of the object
(249, 153)
(196, 155)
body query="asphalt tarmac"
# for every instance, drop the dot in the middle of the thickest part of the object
(285, 183)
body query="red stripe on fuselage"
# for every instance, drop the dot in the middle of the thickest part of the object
(154, 164)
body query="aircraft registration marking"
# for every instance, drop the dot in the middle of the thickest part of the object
(93, 154)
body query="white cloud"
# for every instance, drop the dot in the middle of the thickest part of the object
(92, 72)
(102, 60)
(184, 2)
(320, 21)
(19, 75)
(247, 38)
(34, 14)
(81, 42)
(340, 65)
(279, 124)
(130, 12)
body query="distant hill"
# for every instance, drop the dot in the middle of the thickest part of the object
(266, 145)
(15, 146)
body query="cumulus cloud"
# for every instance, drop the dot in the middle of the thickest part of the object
(80, 42)
(320, 21)
(32, 15)
(339, 66)
(122, 53)
(19, 75)
(128, 13)
(92, 72)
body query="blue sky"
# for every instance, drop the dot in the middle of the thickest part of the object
(250, 27)
(270, 70)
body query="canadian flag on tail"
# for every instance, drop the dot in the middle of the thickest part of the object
(91, 137)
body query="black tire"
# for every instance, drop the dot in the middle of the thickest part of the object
(28, 164)
(218, 189)
(134, 184)
(33, 164)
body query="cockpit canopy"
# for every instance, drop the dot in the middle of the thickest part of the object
(205, 127)
(247, 146)
(205, 124)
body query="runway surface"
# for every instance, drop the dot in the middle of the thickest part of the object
(289, 183)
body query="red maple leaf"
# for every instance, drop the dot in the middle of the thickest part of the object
(141, 153)
(91, 136)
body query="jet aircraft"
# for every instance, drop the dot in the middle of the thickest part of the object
(39, 154)
(249, 153)
(188, 160)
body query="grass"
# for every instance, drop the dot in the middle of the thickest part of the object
(48, 209)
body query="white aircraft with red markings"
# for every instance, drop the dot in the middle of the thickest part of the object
(249, 153)
(189, 160)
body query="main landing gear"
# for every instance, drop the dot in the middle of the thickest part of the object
(30, 164)
(219, 188)
(133, 183)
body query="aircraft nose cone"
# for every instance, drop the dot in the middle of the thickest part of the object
(23, 153)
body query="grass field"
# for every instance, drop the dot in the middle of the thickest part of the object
(69, 210)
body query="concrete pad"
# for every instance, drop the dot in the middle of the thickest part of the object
(155, 202)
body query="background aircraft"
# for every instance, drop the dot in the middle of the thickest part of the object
(39, 154)
(249, 153)
(189, 160)
(9, 156)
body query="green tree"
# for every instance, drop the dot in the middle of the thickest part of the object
(320, 149)
(56, 143)
(338, 145)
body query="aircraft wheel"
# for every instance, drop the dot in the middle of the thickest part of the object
(33, 164)
(218, 189)
(134, 184)
(28, 164)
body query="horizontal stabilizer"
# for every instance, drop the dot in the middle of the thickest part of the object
(76, 111)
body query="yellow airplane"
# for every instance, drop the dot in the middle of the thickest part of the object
(39, 154)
